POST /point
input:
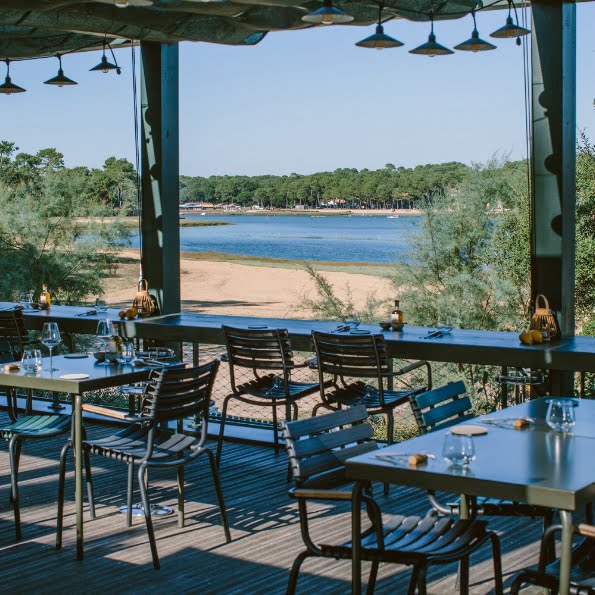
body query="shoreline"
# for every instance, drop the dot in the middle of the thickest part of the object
(307, 212)
(246, 287)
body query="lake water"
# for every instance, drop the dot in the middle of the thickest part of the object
(371, 239)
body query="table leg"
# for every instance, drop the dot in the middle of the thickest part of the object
(356, 523)
(78, 474)
(565, 551)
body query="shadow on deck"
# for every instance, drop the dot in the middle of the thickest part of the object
(264, 525)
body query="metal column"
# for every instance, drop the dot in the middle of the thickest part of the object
(554, 162)
(160, 172)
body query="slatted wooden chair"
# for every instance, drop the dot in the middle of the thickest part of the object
(23, 425)
(317, 448)
(171, 395)
(12, 330)
(547, 574)
(268, 355)
(447, 406)
(349, 358)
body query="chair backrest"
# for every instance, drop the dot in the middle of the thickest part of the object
(319, 446)
(353, 356)
(257, 349)
(12, 329)
(176, 393)
(6, 352)
(441, 407)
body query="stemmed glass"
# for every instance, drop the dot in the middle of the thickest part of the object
(105, 331)
(50, 337)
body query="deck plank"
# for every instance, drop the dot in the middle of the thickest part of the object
(264, 526)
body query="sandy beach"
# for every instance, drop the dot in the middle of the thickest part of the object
(244, 289)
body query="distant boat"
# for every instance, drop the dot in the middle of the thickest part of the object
(393, 217)
(203, 214)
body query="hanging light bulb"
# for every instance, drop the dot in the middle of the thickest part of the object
(105, 66)
(475, 43)
(327, 15)
(431, 48)
(60, 80)
(510, 29)
(8, 87)
(379, 40)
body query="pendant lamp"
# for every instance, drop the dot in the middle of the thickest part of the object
(475, 43)
(510, 29)
(327, 15)
(60, 80)
(431, 48)
(379, 40)
(105, 66)
(8, 87)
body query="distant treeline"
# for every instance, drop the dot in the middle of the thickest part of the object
(390, 187)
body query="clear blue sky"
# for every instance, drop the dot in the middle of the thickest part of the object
(303, 101)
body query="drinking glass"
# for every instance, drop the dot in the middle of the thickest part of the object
(458, 449)
(100, 306)
(31, 360)
(127, 353)
(50, 337)
(105, 331)
(560, 415)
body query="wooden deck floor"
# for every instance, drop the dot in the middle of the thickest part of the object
(264, 526)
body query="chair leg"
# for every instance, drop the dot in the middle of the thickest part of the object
(88, 477)
(412, 582)
(496, 554)
(464, 575)
(61, 489)
(129, 494)
(550, 546)
(517, 583)
(181, 496)
(13, 450)
(372, 578)
(422, 571)
(275, 430)
(390, 437)
(295, 570)
(222, 429)
(148, 520)
(219, 493)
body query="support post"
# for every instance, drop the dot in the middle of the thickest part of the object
(553, 198)
(160, 172)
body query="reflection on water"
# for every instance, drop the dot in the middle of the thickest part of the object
(376, 239)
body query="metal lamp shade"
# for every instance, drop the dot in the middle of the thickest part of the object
(60, 80)
(327, 15)
(379, 40)
(431, 48)
(475, 44)
(8, 88)
(104, 65)
(510, 30)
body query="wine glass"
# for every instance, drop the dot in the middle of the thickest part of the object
(105, 331)
(458, 449)
(560, 415)
(50, 337)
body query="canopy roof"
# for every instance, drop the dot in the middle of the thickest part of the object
(30, 28)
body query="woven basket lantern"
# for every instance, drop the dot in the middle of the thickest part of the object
(142, 300)
(544, 320)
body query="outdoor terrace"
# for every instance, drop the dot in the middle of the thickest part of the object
(263, 520)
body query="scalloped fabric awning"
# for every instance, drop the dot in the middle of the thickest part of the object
(30, 28)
